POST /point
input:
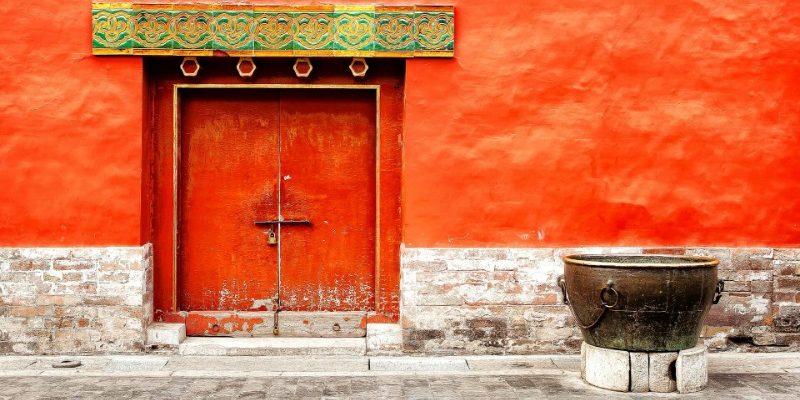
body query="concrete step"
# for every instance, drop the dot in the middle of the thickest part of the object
(273, 346)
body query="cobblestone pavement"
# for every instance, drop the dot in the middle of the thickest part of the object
(727, 386)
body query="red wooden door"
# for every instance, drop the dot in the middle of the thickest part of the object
(228, 179)
(265, 154)
(328, 177)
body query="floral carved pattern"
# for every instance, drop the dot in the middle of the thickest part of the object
(434, 32)
(395, 31)
(193, 30)
(354, 31)
(111, 28)
(233, 30)
(313, 31)
(273, 31)
(153, 29)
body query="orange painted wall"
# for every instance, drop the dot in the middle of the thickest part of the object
(558, 123)
(70, 131)
(607, 122)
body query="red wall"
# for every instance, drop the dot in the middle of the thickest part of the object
(70, 131)
(603, 122)
(607, 122)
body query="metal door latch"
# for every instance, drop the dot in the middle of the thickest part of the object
(284, 222)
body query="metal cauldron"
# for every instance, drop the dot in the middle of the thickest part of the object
(640, 302)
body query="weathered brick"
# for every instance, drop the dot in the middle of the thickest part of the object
(28, 265)
(425, 334)
(791, 254)
(761, 286)
(736, 286)
(104, 301)
(763, 336)
(737, 309)
(29, 311)
(788, 339)
(72, 276)
(784, 283)
(751, 259)
(87, 287)
(62, 265)
(665, 250)
(787, 319)
(57, 300)
(437, 265)
(787, 268)
(786, 297)
(723, 254)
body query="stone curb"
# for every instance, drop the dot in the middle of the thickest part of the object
(242, 366)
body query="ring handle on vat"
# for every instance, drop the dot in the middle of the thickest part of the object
(718, 291)
(603, 303)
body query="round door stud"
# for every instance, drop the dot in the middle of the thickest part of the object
(246, 67)
(190, 66)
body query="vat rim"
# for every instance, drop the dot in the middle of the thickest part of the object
(680, 261)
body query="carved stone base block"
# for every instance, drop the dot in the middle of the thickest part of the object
(685, 371)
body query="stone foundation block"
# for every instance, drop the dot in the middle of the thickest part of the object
(384, 338)
(691, 370)
(606, 368)
(685, 371)
(662, 372)
(640, 371)
(162, 333)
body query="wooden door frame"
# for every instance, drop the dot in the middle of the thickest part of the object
(176, 152)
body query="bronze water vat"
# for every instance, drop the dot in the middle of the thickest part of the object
(640, 302)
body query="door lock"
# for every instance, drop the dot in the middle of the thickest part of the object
(272, 238)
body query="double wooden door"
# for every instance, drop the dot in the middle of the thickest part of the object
(276, 211)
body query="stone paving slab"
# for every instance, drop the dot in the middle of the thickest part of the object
(567, 362)
(418, 364)
(136, 363)
(481, 363)
(15, 363)
(569, 386)
(87, 362)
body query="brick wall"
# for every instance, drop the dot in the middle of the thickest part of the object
(761, 302)
(454, 301)
(498, 301)
(75, 300)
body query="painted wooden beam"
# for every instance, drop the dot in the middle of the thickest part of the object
(272, 31)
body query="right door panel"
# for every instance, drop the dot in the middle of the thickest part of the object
(328, 170)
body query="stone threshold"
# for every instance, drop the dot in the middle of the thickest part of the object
(346, 365)
(168, 338)
(271, 346)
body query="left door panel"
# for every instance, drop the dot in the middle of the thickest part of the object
(228, 174)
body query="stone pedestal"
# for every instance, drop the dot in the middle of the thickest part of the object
(624, 371)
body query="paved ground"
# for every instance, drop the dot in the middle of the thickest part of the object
(728, 386)
(733, 376)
